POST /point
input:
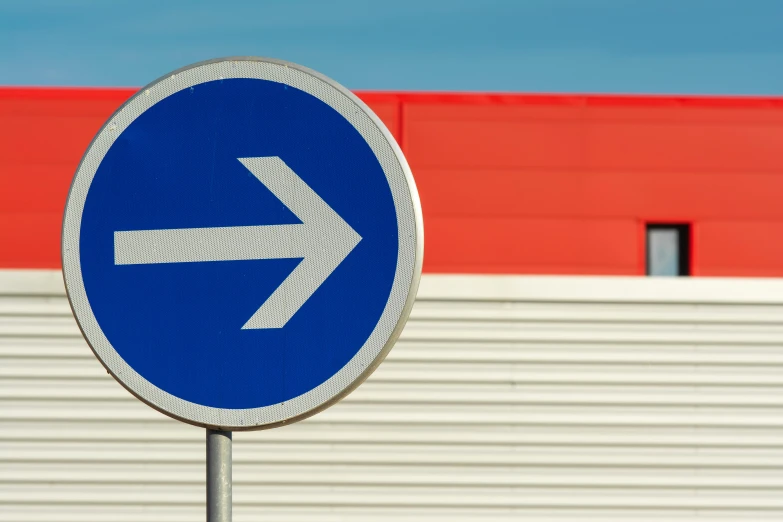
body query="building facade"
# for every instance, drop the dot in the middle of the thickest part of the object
(540, 377)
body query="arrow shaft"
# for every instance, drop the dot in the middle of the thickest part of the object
(190, 245)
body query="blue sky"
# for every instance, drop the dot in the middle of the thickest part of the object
(611, 46)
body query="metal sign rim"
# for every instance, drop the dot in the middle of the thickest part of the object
(210, 417)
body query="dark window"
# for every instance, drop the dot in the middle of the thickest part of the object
(668, 250)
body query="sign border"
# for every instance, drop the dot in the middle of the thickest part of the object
(407, 276)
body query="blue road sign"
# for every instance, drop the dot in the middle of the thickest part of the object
(242, 243)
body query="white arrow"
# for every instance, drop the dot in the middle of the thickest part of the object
(322, 241)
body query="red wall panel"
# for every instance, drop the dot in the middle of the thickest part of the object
(488, 245)
(740, 248)
(509, 183)
(655, 195)
(597, 161)
(43, 134)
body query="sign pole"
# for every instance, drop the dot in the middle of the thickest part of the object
(218, 476)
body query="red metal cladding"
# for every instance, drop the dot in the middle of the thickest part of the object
(509, 183)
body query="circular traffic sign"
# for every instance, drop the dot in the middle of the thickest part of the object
(242, 243)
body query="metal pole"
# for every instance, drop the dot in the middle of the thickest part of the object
(218, 476)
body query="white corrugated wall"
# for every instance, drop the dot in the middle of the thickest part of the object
(507, 398)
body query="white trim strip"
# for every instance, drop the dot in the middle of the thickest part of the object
(517, 288)
(602, 288)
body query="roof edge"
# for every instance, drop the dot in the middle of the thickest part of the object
(457, 98)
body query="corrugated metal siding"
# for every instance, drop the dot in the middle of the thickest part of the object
(507, 398)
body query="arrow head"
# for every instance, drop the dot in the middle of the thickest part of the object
(323, 241)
